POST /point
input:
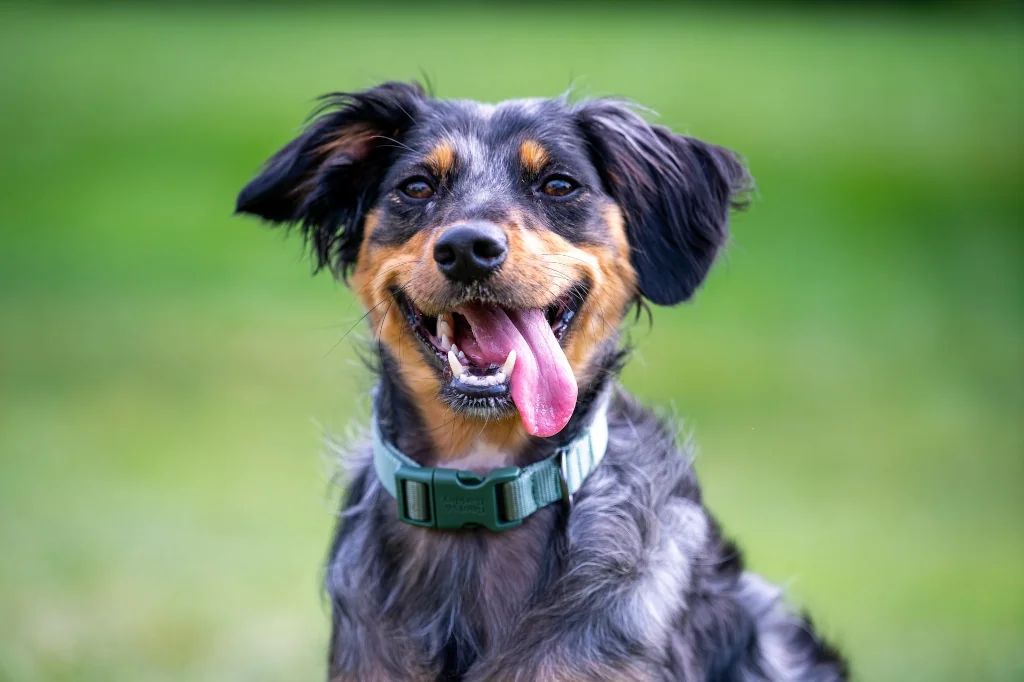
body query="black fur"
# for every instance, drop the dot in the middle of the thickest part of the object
(676, 192)
(330, 196)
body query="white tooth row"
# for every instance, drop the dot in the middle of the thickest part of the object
(473, 380)
(460, 373)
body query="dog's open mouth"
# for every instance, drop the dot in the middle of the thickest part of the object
(493, 359)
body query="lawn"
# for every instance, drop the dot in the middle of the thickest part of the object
(853, 372)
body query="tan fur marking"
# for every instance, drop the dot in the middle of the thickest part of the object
(539, 268)
(441, 159)
(380, 268)
(533, 156)
(354, 141)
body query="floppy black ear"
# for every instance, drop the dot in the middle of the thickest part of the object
(326, 179)
(675, 192)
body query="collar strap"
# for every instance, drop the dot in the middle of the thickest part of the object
(449, 499)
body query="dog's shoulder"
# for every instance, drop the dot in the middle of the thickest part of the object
(725, 622)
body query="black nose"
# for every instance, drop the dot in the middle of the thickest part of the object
(467, 253)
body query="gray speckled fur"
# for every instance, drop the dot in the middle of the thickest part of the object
(636, 582)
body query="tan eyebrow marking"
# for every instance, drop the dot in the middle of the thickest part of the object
(441, 159)
(533, 156)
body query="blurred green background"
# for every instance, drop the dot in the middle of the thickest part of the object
(853, 371)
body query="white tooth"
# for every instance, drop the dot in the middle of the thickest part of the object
(510, 362)
(462, 356)
(499, 378)
(444, 326)
(446, 342)
(471, 379)
(454, 362)
(487, 381)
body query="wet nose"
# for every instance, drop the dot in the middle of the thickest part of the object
(470, 252)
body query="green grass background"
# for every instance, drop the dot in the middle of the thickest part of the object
(853, 371)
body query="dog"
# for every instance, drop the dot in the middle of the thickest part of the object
(514, 514)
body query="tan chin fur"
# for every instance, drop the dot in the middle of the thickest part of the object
(540, 266)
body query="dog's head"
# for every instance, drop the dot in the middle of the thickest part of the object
(497, 247)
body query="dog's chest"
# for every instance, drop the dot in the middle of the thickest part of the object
(511, 571)
(490, 576)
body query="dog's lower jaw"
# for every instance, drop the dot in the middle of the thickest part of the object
(423, 426)
(493, 361)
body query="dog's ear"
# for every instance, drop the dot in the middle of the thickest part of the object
(675, 192)
(326, 179)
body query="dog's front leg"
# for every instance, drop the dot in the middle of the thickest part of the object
(621, 593)
(576, 639)
(570, 641)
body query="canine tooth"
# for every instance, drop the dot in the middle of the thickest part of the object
(446, 342)
(510, 362)
(444, 326)
(454, 362)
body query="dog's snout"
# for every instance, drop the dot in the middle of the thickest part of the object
(470, 252)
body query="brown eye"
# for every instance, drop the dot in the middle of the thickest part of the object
(558, 186)
(417, 188)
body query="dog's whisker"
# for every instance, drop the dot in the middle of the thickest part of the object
(386, 271)
(350, 329)
(400, 145)
(566, 255)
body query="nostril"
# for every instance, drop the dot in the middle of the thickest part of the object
(488, 249)
(444, 254)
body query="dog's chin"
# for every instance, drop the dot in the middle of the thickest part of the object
(473, 378)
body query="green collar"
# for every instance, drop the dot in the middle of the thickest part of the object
(449, 499)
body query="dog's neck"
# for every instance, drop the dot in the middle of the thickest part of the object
(433, 435)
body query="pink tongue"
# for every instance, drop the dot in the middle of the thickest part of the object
(543, 386)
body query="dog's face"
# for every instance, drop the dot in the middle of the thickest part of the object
(497, 247)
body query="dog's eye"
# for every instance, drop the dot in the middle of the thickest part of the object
(558, 186)
(417, 188)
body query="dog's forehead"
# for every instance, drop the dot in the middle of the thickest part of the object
(476, 129)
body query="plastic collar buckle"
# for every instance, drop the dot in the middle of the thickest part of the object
(455, 498)
(563, 478)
